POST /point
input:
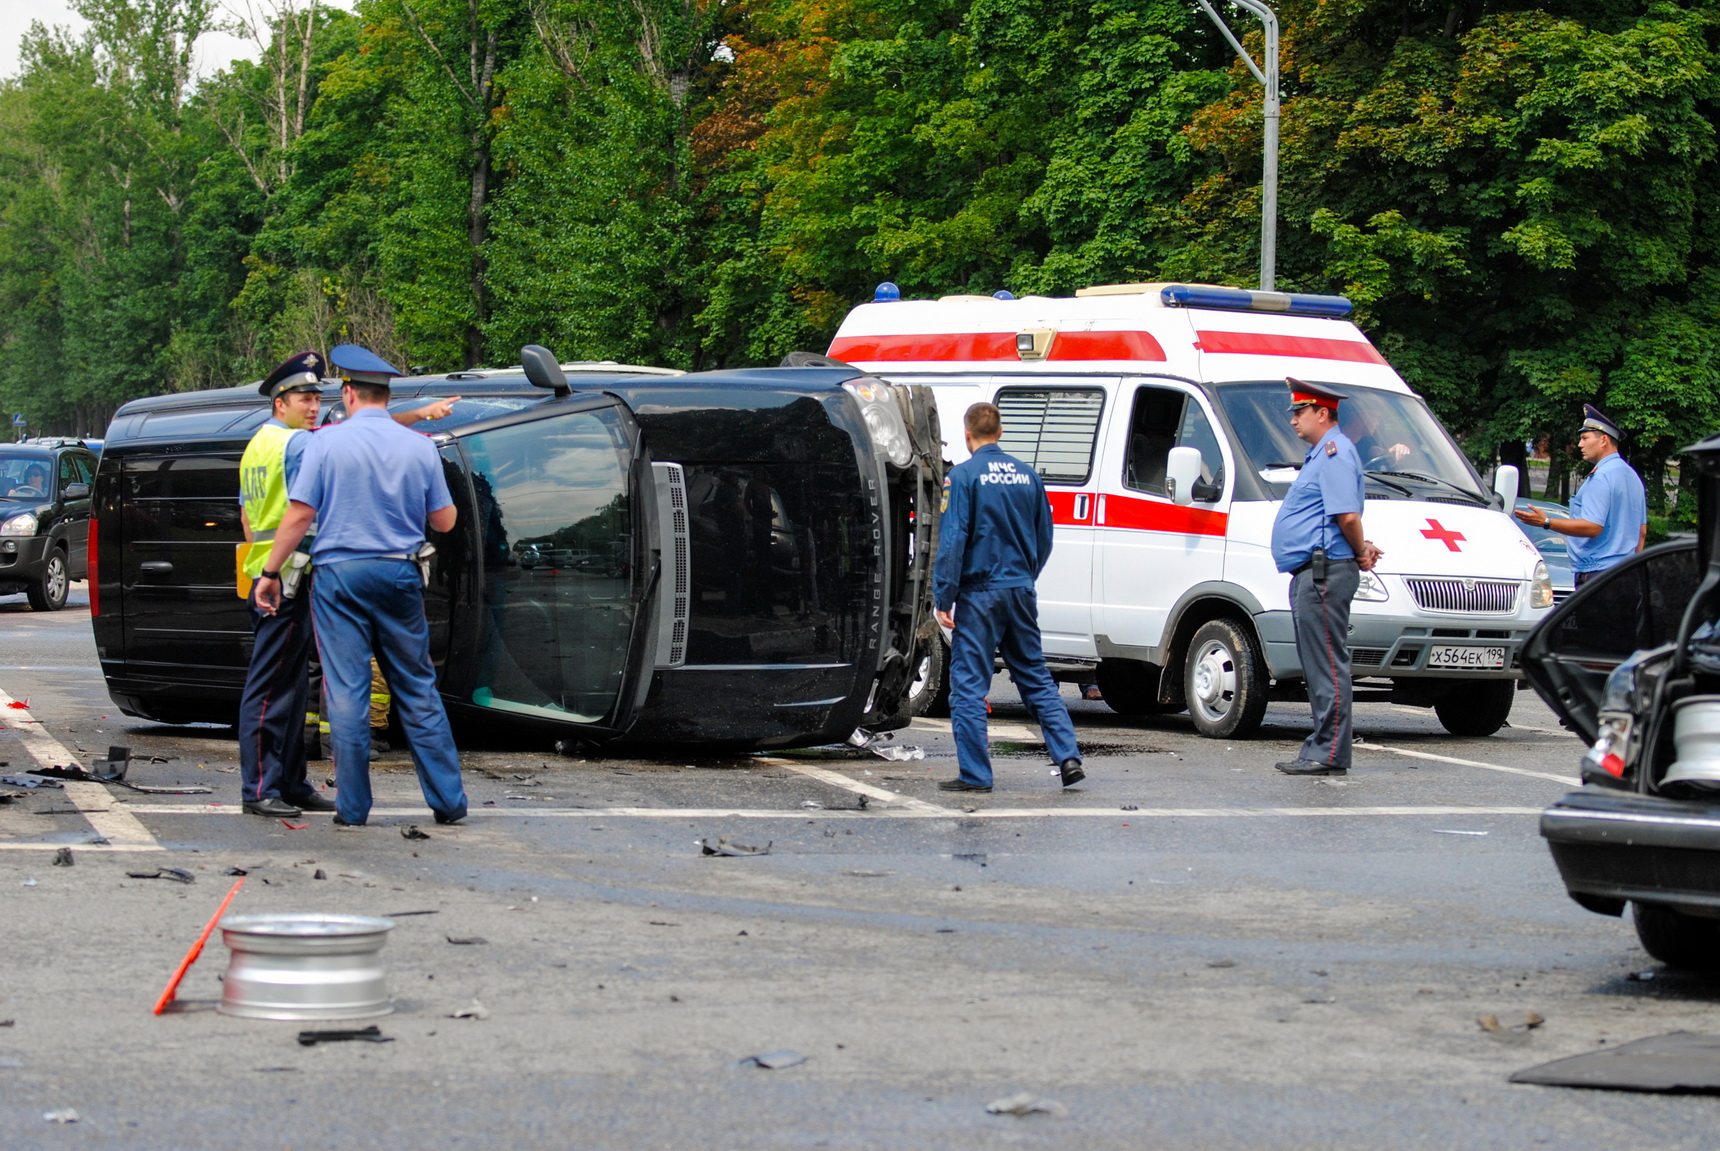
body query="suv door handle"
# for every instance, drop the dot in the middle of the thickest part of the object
(156, 567)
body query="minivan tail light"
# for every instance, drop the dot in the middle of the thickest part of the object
(93, 575)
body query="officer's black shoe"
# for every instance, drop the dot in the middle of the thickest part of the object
(1309, 767)
(1072, 773)
(960, 785)
(313, 801)
(451, 817)
(339, 822)
(271, 807)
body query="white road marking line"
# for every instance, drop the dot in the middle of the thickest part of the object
(1568, 781)
(997, 729)
(837, 779)
(923, 811)
(120, 827)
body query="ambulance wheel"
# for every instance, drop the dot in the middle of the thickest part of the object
(1224, 681)
(50, 594)
(1479, 707)
(1129, 686)
(1677, 939)
(929, 693)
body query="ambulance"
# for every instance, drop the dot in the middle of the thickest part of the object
(1157, 416)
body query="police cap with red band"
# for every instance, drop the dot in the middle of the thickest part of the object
(1303, 394)
(301, 373)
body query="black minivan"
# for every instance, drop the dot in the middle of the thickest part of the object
(727, 558)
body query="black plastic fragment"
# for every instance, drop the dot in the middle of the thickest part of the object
(371, 1034)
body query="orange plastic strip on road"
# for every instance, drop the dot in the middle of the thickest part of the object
(196, 950)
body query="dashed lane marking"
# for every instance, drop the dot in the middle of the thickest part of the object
(922, 811)
(1567, 780)
(997, 729)
(120, 827)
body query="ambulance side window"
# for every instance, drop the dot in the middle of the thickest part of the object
(1197, 433)
(1164, 419)
(1052, 429)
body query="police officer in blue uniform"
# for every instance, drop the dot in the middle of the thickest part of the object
(994, 538)
(1317, 540)
(372, 486)
(1609, 512)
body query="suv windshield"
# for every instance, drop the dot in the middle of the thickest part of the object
(25, 475)
(1405, 451)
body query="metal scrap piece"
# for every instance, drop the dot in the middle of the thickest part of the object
(371, 1034)
(723, 847)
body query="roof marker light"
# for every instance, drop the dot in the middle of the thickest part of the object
(1003, 294)
(885, 293)
(1246, 300)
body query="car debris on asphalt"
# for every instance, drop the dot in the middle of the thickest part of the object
(371, 1034)
(410, 831)
(61, 1115)
(774, 1060)
(465, 940)
(1680, 1061)
(1025, 1104)
(721, 846)
(476, 1011)
(177, 874)
(1515, 1033)
(63, 857)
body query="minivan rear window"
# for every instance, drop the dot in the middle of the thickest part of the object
(1052, 429)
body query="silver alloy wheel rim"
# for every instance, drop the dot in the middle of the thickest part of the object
(1215, 680)
(56, 582)
(922, 674)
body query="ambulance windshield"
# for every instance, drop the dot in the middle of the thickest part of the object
(1405, 451)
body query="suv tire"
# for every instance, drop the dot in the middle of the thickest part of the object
(1130, 687)
(1676, 939)
(50, 594)
(1224, 680)
(1479, 707)
(929, 693)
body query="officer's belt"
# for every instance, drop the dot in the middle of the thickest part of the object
(1329, 562)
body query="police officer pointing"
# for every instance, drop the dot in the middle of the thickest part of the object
(994, 538)
(1317, 540)
(1609, 512)
(373, 487)
(276, 696)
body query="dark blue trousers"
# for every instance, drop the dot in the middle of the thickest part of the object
(272, 710)
(377, 606)
(1002, 621)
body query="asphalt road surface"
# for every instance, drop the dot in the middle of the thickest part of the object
(1189, 951)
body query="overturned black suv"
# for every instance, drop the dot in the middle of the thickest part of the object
(730, 558)
(1632, 664)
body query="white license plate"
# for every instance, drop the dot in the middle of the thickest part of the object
(1465, 655)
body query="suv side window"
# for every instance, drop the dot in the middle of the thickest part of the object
(1165, 418)
(69, 471)
(1052, 430)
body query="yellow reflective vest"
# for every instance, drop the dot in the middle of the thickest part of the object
(263, 484)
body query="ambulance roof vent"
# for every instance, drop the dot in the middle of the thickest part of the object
(1249, 300)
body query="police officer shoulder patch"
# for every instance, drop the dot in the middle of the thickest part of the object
(944, 503)
(1331, 449)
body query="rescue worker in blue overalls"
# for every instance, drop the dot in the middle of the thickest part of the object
(274, 705)
(994, 538)
(372, 487)
(1317, 541)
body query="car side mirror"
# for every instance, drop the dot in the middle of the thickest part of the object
(77, 491)
(543, 369)
(1182, 472)
(1505, 486)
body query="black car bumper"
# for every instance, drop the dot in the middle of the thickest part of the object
(23, 562)
(1612, 847)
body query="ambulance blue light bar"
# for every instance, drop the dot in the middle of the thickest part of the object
(1248, 300)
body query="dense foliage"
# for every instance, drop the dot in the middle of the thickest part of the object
(1521, 199)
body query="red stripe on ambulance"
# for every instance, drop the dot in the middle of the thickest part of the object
(1082, 509)
(1272, 344)
(984, 346)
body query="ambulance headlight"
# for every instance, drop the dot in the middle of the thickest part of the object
(24, 525)
(1541, 587)
(1371, 589)
(883, 420)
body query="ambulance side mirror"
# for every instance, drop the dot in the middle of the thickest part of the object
(1182, 471)
(1505, 486)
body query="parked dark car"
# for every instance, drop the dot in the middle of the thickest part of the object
(1632, 664)
(44, 519)
(580, 594)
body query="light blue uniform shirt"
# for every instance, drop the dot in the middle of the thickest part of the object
(1613, 497)
(1329, 484)
(374, 485)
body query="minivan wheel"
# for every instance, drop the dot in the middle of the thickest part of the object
(1130, 687)
(50, 594)
(1479, 707)
(930, 687)
(1223, 681)
(1677, 939)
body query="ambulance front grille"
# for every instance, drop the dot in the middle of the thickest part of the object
(1464, 595)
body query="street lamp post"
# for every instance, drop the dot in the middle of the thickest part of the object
(1269, 168)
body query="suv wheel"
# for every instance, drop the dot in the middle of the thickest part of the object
(1677, 939)
(1223, 681)
(1476, 708)
(929, 694)
(50, 594)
